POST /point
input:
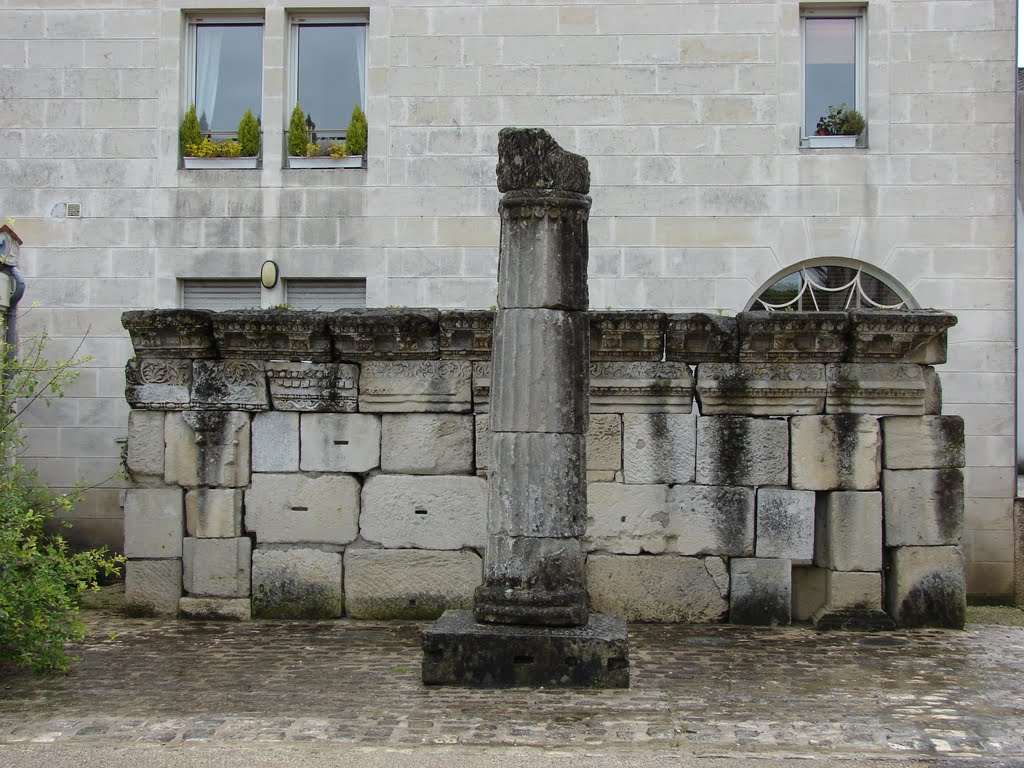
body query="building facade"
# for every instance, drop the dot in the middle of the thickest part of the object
(699, 120)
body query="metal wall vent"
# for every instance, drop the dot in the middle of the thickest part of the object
(73, 211)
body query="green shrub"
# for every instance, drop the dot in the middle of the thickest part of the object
(249, 135)
(40, 579)
(297, 138)
(189, 133)
(355, 135)
(853, 123)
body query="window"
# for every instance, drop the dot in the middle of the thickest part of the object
(830, 287)
(328, 71)
(833, 63)
(220, 295)
(225, 77)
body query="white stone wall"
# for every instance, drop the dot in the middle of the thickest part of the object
(688, 112)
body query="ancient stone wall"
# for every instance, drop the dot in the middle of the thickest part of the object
(301, 464)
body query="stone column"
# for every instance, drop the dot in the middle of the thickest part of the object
(537, 510)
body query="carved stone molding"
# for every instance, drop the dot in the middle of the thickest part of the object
(384, 334)
(627, 336)
(761, 389)
(695, 337)
(231, 385)
(313, 387)
(406, 386)
(272, 335)
(880, 389)
(793, 337)
(158, 384)
(466, 333)
(640, 387)
(917, 336)
(170, 333)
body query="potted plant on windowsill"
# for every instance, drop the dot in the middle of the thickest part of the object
(306, 151)
(841, 127)
(200, 151)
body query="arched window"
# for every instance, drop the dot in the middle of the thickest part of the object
(830, 286)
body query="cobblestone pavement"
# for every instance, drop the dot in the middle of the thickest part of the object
(704, 690)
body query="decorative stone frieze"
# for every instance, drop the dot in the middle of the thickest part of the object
(415, 386)
(640, 387)
(171, 333)
(466, 333)
(313, 386)
(913, 336)
(879, 389)
(695, 337)
(272, 334)
(229, 385)
(792, 337)
(761, 389)
(384, 334)
(158, 384)
(627, 336)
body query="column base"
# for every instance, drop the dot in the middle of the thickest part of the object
(459, 651)
(496, 605)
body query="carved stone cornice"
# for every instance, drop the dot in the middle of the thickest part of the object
(384, 334)
(466, 333)
(627, 336)
(272, 334)
(170, 333)
(696, 337)
(761, 389)
(793, 337)
(913, 336)
(879, 389)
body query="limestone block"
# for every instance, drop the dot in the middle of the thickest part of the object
(739, 450)
(466, 333)
(313, 386)
(604, 442)
(761, 389)
(640, 387)
(694, 337)
(529, 158)
(626, 519)
(482, 441)
(627, 336)
(171, 333)
(792, 337)
(235, 385)
(293, 509)
(760, 591)
(848, 531)
(481, 387)
(661, 589)
(427, 512)
(537, 485)
(917, 336)
(217, 567)
(840, 452)
(158, 384)
(275, 442)
(339, 442)
(809, 586)
(415, 386)
(526, 564)
(658, 448)
(426, 443)
(932, 391)
(153, 522)
(207, 448)
(710, 520)
(853, 591)
(145, 457)
(264, 334)
(880, 389)
(152, 587)
(384, 334)
(296, 584)
(923, 506)
(540, 371)
(409, 583)
(785, 524)
(213, 513)
(215, 608)
(926, 587)
(925, 442)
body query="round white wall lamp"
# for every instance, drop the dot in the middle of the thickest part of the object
(269, 274)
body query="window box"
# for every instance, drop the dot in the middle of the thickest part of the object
(197, 163)
(352, 161)
(831, 142)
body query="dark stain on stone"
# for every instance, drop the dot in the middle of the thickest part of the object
(762, 607)
(731, 434)
(949, 504)
(935, 601)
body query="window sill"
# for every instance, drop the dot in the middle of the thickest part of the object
(219, 163)
(353, 161)
(832, 142)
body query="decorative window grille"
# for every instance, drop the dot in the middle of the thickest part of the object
(829, 288)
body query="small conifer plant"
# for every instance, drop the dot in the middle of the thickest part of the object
(297, 138)
(249, 135)
(355, 135)
(189, 134)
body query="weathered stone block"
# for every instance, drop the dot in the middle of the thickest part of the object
(540, 371)
(426, 443)
(710, 520)
(339, 442)
(215, 608)
(153, 522)
(785, 524)
(145, 456)
(848, 531)
(313, 386)
(924, 442)
(275, 442)
(853, 591)
(923, 506)
(538, 485)
(880, 389)
(926, 587)
(296, 584)
(235, 385)
(170, 333)
(738, 450)
(409, 583)
(481, 387)
(626, 519)
(217, 567)
(761, 389)
(932, 391)
(627, 336)
(213, 513)
(640, 387)
(158, 384)
(267, 334)
(529, 158)
(915, 336)
(293, 509)
(659, 448)
(427, 512)
(841, 452)
(384, 334)
(808, 588)
(695, 337)
(415, 386)
(207, 448)
(792, 337)
(152, 587)
(760, 591)
(466, 333)
(604, 442)
(661, 589)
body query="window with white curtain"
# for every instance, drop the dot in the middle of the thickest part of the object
(225, 70)
(833, 62)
